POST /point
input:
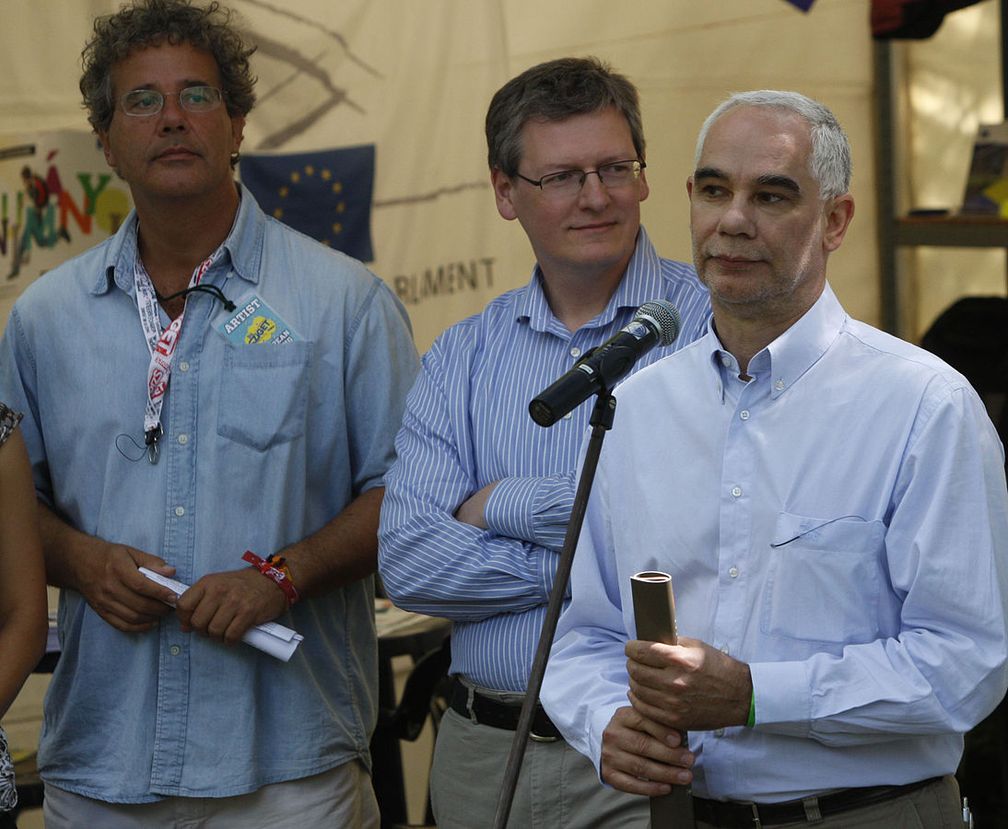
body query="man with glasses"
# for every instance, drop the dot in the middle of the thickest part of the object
(478, 502)
(204, 383)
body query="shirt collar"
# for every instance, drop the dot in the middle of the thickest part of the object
(243, 247)
(642, 281)
(789, 356)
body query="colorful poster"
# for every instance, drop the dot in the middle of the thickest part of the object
(58, 198)
(987, 182)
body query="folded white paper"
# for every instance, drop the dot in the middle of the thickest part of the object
(269, 637)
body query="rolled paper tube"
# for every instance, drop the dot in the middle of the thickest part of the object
(654, 616)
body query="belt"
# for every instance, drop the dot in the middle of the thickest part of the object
(488, 711)
(733, 815)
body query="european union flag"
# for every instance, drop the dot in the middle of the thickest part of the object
(324, 194)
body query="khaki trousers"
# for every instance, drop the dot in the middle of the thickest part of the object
(558, 788)
(933, 807)
(339, 798)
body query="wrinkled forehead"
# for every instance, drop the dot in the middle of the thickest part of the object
(754, 143)
(585, 138)
(164, 66)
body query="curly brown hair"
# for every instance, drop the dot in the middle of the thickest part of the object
(146, 23)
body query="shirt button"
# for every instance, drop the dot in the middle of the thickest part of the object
(174, 650)
(725, 360)
(779, 385)
(724, 650)
(183, 439)
(568, 416)
(744, 414)
(736, 491)
(733, 572)
(180, 511)
(718, 732)
(575, 352)
(184, 365)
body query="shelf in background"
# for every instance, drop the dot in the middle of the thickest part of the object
(952, 231)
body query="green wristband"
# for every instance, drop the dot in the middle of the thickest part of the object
(752, 711)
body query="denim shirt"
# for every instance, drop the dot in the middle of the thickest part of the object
(264, 443)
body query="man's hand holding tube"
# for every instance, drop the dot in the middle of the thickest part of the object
(686, 687)
(642, 756)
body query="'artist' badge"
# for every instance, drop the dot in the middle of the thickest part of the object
(255, 323)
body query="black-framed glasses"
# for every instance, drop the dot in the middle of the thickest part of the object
(141, 103)
(569, 182)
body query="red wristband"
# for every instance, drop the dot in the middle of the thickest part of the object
(275, 568)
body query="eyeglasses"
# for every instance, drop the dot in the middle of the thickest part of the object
(141, 103)
(569, 182)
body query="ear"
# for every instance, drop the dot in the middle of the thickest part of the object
(689, 187)
(642, 183)
(839, 213)
(103, 137)
(503, 188)
(237, 131)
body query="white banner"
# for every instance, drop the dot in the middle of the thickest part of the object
(412, 80)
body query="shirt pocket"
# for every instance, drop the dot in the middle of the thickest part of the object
(825, 577)
(264, 394)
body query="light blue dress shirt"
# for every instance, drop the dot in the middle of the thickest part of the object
(466, 425)
(263, 444)
(840, 523)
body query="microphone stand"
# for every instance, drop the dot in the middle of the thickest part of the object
(601, 422)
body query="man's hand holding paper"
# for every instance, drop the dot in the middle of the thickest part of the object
(115, 590)
(269, 637)
(226, 605)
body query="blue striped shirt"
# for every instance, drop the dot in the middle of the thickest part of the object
(467, 425)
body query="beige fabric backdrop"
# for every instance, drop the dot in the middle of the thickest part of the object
(414, 78)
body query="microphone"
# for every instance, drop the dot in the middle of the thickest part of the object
(655, 323)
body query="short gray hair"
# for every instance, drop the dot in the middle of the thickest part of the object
(830, 163)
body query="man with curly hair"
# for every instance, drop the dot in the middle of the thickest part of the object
(229, 386)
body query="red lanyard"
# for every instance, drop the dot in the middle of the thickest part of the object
(161, 345)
